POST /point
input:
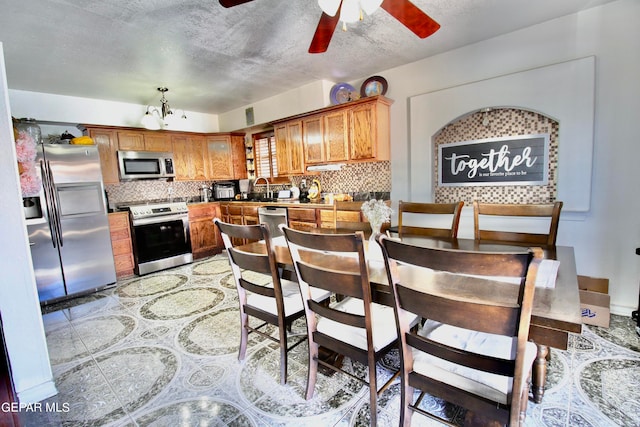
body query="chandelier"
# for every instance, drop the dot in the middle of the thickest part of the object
(158, 117)
(350, 10)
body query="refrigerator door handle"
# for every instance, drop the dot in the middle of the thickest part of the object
(48, 202)
(55, 206)
(52, 205)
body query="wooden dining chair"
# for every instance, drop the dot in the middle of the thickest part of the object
(348, 216)
(430, 211)
(261, 291)
(473, 348)
(549, 210)
(353, 326)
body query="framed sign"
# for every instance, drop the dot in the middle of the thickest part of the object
(511, 160)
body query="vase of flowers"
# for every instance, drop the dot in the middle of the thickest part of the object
(27, 135)
(377, 213)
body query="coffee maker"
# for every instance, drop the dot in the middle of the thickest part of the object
(304, 192)
(205, 193)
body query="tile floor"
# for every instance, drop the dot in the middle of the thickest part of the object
(161, 350)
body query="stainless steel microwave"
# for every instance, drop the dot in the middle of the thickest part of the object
(145, 165)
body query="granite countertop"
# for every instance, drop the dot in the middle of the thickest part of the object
(295, 203)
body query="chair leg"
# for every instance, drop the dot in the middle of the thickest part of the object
(244, 335)
(312, 373)
(373, 394)
(524, 400)
(406, 397)
(283, 354)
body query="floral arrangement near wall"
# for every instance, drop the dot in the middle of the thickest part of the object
(26, 155)
(377, 213)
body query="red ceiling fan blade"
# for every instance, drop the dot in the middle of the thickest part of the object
(324, 32)
(231, 3)
(412, 17)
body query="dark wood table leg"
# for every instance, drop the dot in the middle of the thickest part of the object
(539, 373)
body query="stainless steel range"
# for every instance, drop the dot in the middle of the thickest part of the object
(160, 234)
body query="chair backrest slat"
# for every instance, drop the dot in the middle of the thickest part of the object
(338, 316)
(464, 313)
(548, 210)
(339, 282)
(470, 360)
(251, 261)
(452, 209)
(467, 262)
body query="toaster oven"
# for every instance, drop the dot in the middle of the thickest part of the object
(225, 190)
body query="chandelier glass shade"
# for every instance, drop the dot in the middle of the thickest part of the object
(158, 117)
(351, 10)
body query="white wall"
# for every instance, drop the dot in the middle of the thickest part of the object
(47, 107)
(606, 236)
(19, 305)
(295, 101)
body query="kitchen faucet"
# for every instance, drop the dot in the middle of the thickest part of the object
(269, 194)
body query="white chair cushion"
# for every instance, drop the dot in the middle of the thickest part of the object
(383, 325)
(491, 386)
(292, 298)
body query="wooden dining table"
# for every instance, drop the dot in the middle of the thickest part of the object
(556, 310)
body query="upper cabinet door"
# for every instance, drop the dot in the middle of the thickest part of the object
(336, 136)
(239, 157)
(220, 156)
(313, 137)
(155, 141)
(294, 145)
(363, 132)
(107, 143)
(189, 158)
(282, 150)
(130, 141)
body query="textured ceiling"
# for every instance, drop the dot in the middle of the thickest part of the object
(214, 59)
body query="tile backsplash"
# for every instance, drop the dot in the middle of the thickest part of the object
(372, 178)
(148, 190)
(499, 122)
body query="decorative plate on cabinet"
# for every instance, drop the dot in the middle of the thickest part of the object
(341, 93)
(373, 86)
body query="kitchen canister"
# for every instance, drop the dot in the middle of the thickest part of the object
(30, 126)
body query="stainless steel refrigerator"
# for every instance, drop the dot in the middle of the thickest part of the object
(68, 225)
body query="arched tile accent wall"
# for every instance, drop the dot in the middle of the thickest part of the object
(564, 91)
(499, 122)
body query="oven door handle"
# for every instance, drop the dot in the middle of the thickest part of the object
(159, 219)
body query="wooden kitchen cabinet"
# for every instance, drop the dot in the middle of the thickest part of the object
(336, 136)
(107, 142)
(250, 215)
(121, 243)
(129, 140)
(289, 149)
(369, 131)
(234, 215)
(351, 132)
(313, 138)
(302, 218)
(157, 141)
(239, 156)
(326, 137)
(205, 236)
(189, 157)
(326, 217)
(226, 157)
